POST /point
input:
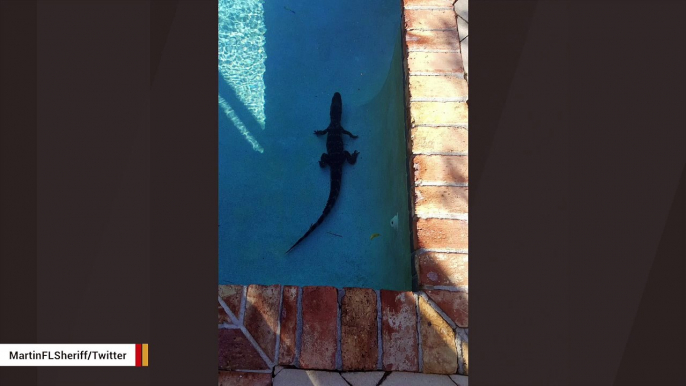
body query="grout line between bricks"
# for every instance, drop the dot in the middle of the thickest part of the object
(458, 346)
(455, 74)
(421, 251)
(339, 346)
(246, 333)
(429, 287)
(298, 328)
(379, 340)
(448, 153)
(431, 29)
(278, 328)
(456, 125)
(420, 352)
(439, 99)
(444, 216)
(438, 183)
(446, 250)
(438, 309)
(254, 371)
(435, 50)
(257, 347)
(460, 336)
(451, 74)
(244, 300)
(228, 312)
(428, 7)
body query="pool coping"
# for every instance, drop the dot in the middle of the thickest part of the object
(362, 329)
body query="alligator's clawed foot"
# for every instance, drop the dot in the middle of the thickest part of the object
(351, 158)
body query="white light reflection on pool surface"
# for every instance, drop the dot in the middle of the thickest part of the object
(241, 60)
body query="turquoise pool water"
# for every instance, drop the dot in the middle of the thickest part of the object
(280, 63)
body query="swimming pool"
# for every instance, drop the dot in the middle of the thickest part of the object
(280, 63)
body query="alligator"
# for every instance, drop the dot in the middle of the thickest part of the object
(335, 157)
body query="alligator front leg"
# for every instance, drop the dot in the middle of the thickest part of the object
(344, 131)
(321, 132)
(351, 158)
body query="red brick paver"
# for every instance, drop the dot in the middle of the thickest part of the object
(320, 328)
(261, 316)
(433, 40)
(289, 319)
(359, 339)
(441, 200)
(232, 296)
(399, 331)
(442, 169)
(438, 113)
(443, 269)
(453, 304)
(435, 233)
(439, 351)
(438, 86)
(238, 378)
(430, 19)
(438, 63)
(237, 353)
(429, 3)
(439, 140)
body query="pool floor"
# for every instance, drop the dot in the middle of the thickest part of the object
(280, 63)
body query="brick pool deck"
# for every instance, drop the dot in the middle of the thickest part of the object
(286, 335)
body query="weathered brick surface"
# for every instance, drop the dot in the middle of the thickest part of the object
(359, 339)
(439, 352)
(437, 86)
(430, 19)
(237, 353)
(439, 140)
(238, 378)
(289, 324)
(261, 316)
(441, 168)
(433, 40)
(439, 63)
(429, 3)
(223, 316)
(399, 331)
(453, 304)
(439, 113)
(320, 328)
(435, 233)
(443, 269)
(441, 200)
(232, 296)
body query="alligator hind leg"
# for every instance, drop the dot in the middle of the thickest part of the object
(324, 160)
(352, 158)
